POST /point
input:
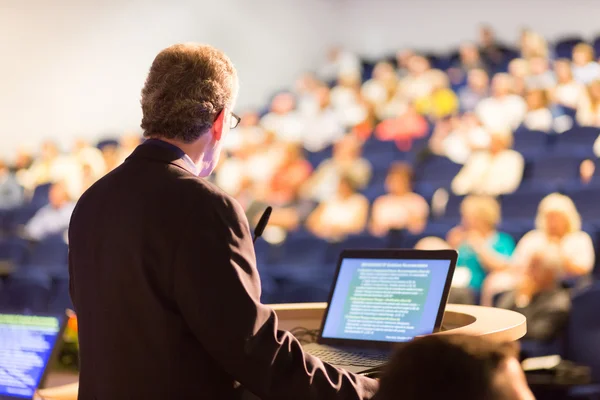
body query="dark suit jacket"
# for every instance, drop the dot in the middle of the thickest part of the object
(166, 290)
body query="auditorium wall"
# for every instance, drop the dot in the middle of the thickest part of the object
(75, 68)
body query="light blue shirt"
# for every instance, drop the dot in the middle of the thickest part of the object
(49, 220)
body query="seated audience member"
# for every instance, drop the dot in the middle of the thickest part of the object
(402, 59)
(538, 117)
(504, 110)
(481, 248)
(403, 129)
(339, 61)
(401, 208)
(533, 45)
(494, 172)
(322, 125)
(285, 183)
(346, 160)
(490, 49)
(540, 75)
(557, 243)
(41, 170)
(347, 102)
(380, 91)
(286, 123)
(454, 367)
(588, 111)
(85, 154)
(457, 138)
(585, 69)
(476, 90)
(418, 82)
(11, 193)
(345, 214)
(519, 71)
(469, 59)
(539, 297)
(52, 218)
(441, 102)
(568, 92)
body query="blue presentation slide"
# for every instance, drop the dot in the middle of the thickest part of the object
(386, 300)
(26, 344)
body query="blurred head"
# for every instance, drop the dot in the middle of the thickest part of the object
(536, 99)
(307, 82)
(322, 94)
(469, 54)
(291, 152)
(518, 68)
(80, 144)
(346, 187)
(384, 71)
(23, 159)
(500, 141)
(538, 65)
(188, 98)
(399, 179)
(249, 119)
(557, 216)
(542, 275)
(346, 149)
(349, 79)
(562, 69)
(454, 367)
(283, 103)
(3, 168)
(403, 57)
(58, 195)
(486, 36)
(130, 141)
(418, 65)
(502, 85)
(439, 79)
(594, 91)
(478, 79)
(49, 151)
(583, 54)
(586, 170)
(533, 45)
(480, 213)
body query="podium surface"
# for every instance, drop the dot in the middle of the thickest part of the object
(492, 323)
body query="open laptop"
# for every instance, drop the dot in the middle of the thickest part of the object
(381, 298)
(28, 344)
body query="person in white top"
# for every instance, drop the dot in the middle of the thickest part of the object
(504, 110)
(538, 117)
(568, 91)
(343, 215)
(494, 172)
(339, 61)
(557, 242)
(418, 83)
(458, 137)
(286, 123)
(401, 208)
(322, 125)
(381, 91)
(588, 111)
(585, 69)
(541, 77)
(346, 100)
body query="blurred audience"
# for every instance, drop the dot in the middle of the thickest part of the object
(321, 124)
(585, 68)
(400, 208)
(283, 120)
(588, 110)
(344, 214)
(568, 92)
(504, 110)
(538, 116)
(441, 102)
(11, 193)
(403, 129)
(53, 218)
(481, 248)
(494, 172)
(476, 90)
(540, 76)
(457, 138)
(454, 367)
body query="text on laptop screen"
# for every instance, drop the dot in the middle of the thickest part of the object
(26, 343)
(385, 300)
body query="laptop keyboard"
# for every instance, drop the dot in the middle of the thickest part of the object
(357, 358)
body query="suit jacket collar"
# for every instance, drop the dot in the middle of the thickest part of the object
(157, 150)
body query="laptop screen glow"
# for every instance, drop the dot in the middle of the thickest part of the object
(385, 300)
(26, 344)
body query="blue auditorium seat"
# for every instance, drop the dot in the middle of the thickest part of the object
(28, 290)
(40, 196)
(530, 143)
(453, 207)
(437, 171)
(521, 205)
(51, 251)
(60, 298)
(318, 157)
(554, 172)
(406, 240)
(587, 201)
(578, 141)
(564, 47)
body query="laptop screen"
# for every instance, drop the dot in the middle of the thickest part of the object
(26, 345)
(385, 300)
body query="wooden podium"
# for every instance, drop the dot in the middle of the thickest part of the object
(493, 323)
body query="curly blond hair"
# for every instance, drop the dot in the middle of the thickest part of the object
(557, 202)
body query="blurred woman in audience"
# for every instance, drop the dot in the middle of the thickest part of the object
(345, 214)
(346, 161)
(494, 172)
(285, 183)
(538, 117)
(403, 129)
(533, 45)
(585, 68)
(401, 208)
(477, 89)
(283, 120)
(540, 75)
(458, 137)
(441, 102)
(588, 111)
(481, 248)
(557, 242)
(504, 110)
(346, 100)
(519, 71)
(321, 125)
(90, 158)
(568, 92)
(418, 82)
(380, 91)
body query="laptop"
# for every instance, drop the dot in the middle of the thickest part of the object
(28, 345)
(381, 298)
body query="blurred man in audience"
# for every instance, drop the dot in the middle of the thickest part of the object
(402, 59)
(401, 208)
(541, 299)
(494, 172)
(490, 49)
(568, 92)
(11, 193)
(343, 215)
(468, 60)
(481, 248)
(538, 116)
(588, 110)
(454, 368)
(557, 243)
(283, 120)
(504, 110)
(54, 217)
(585, 67)
(476, 90)
(347, 161)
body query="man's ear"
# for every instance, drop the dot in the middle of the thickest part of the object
(218, 125)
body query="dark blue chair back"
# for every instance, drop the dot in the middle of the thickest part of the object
(521, 205)
(28, 290)
(438, 171)
(530, 143)
(555, 171)
(40, 196)
(51, 251)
